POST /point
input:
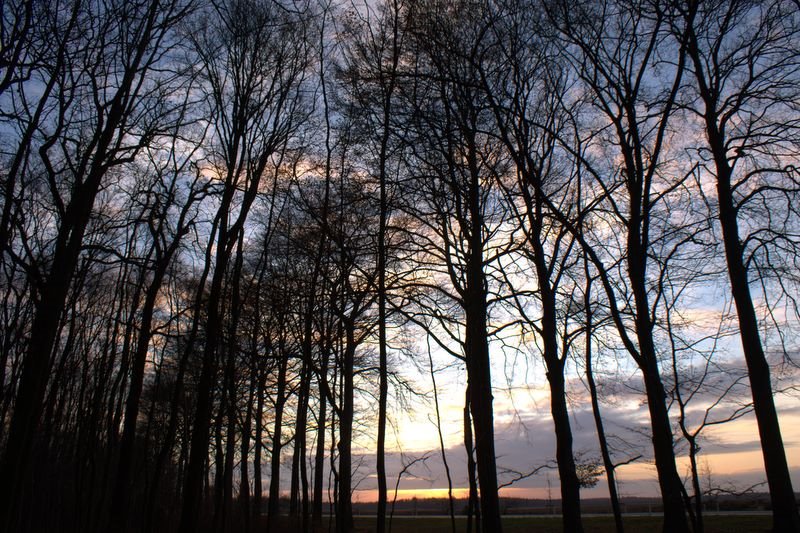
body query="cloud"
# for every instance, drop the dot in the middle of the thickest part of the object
(525, 440)
(528, 443)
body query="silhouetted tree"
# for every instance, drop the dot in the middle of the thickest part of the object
(743, 57)
(106, 104)
(253, 82)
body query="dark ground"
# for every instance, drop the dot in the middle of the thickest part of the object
(713, 524)
(544, 524)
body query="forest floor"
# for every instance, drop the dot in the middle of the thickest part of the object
(592, 524)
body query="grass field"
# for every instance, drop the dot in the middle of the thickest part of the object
(713, 524)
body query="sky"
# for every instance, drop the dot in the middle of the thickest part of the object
(730, 455)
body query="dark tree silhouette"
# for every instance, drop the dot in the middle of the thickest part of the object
(106, 72)
(253, 80)
(744, 58)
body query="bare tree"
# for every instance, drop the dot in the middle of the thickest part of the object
(453, 199)
(744, 60)
(108, 87)
(613, 47)
(253, 80)
(372, 61)
(166, 239)
(524, 81)
(221, 221)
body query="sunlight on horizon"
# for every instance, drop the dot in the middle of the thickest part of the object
(730, 453)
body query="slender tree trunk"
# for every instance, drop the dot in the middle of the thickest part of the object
(220, 463)
(319, 458)
(258, 484)
(483, 420)
(570, 486)
(244, 456)
(670, 483)
(198, 451)
(297, 488)
(273, 503)
(121, 496)
(259, 376)
(383, 388)
(230, 449)
(699, 526)
(477, 355)
(784, 506)
(472, 504)
(333, 506)
(608, 464)
(235, 307)
(319, 467)
(441, 445)
(178, 397)
(344, 514)
(304, 483)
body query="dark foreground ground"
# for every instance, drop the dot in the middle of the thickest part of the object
(714, 524)
(544, 524)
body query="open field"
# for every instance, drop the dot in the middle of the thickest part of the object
(595, 524)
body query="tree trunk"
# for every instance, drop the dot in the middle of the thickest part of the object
(784, 505)
(675, 519)
(570, 486)
(451, 505)
(479, 377)
(230, 448)
(244, 463)
(483, 420)
(699, 526)
(669, 481)
(476, 347)
(297, 496)
(273, 503)
(608, 464)
(120, 498)
(344, 514)
(220, 464)
(472, 503)
(568, 477)
(198, 450)
(319, 458)
(258, 484)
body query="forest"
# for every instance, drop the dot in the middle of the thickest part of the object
(231, 228)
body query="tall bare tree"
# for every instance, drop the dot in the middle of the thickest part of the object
(633, 69)
(253, 80)
(372, 61)
(110, 101)
(453, 164)
(525, 80)
(744, 59)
